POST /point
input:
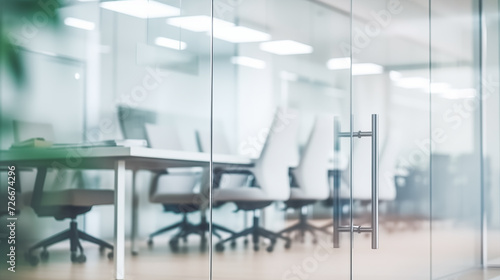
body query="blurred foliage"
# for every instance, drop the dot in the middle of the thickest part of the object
(13, 15)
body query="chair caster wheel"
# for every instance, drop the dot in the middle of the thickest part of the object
(150, 243)
(31, 259)
(256, 248)
(245, 242)
(270, 248)
(44, 255)
(219, 247)
(273, 241)
(288, 244)
(174, 245)
(233, 244)
(78, 258)
(102, 249)
(111, 256)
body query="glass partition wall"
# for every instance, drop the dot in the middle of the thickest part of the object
(105, 70)
(390, 63)
(353, 139)
(275, 101)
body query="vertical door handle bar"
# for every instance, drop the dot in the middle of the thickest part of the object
(374, 229)
(375, 170)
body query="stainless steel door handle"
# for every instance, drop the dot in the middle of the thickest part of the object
(337, 215)
(375, 169)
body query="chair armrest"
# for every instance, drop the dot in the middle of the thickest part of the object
(154, 183)
(218, 172)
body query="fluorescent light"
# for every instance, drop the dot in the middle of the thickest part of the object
(395, 75)
(413, 82)
(439, 87)
(240, 34)
(79, 23)
(289, 76)
(359, 69)
(286, 47)
(170, 43)
(460, 93)
(141, 9)
(198, 23)
(339, 63)
(249, 62)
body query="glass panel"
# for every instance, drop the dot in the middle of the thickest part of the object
(491, 122)
(274, 101)
(391, 79)
(456, 137)
(119, 70)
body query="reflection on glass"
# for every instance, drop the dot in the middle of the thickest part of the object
(274, 101)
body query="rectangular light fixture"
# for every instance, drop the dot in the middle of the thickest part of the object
(438, 88)
(286, 47)
(395, 75)
(79, 23)
(248, 62)
(198, 23)
(240, 34)
(339, 63)
(413, 82)
(460, 93)
(359, 69)
(141, 9)
(170, 43)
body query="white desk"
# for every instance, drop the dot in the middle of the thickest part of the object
(120, 159)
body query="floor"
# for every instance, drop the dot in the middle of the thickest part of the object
(302, 261)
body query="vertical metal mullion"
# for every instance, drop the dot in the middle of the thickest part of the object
(210, 195)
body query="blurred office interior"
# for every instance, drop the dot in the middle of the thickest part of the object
(288, 85)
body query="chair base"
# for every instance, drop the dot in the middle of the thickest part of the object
(186, 228)
(256, 232)
(302, 227)
(74, 235)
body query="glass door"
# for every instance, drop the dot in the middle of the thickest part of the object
(275, 101)
(391, 140)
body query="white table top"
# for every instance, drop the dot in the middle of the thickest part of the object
(105, 157)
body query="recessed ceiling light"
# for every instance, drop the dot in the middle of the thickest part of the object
(438, 88)
(286, 47)
(359, 69)
(395, 75)
(141, 9)
(413, 82)
(79, 23)
(339, 63)
(289, 76)
(240, 34)
(170, 43)
(460, 93)
(249, 62)
(199, 23)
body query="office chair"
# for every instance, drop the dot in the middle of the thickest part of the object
(60, 204)
(309, 180)
(270, 181)
(176, 190)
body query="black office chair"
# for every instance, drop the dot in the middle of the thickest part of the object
(60, 204)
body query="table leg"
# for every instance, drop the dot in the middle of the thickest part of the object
(119, 241)
(135, 213)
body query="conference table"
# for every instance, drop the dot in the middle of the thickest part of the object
(119, 159)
